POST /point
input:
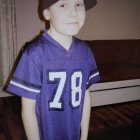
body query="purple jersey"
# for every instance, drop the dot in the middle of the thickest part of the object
(57, 79)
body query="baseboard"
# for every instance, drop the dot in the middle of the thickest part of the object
(115, 92)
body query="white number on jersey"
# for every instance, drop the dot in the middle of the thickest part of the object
(76, 91)
(62, 76)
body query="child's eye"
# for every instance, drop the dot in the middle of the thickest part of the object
(79, 4)
(63, 5)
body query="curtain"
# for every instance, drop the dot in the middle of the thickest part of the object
(8, 47)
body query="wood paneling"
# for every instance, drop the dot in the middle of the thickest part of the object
(102, 118)
(11, 127)
(113, 116)
(117, 59)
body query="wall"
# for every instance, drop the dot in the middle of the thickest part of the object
(28, 21)
(113, 19)
(110, 19)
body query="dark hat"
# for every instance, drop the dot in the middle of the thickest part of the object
(88, 3)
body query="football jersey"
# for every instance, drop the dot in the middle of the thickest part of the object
(57, 79)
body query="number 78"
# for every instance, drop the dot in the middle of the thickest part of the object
(76, 90)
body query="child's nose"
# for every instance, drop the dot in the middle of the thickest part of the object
(73, 11)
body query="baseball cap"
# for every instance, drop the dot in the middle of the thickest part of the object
(88, 3)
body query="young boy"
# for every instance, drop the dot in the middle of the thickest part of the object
(54, 74)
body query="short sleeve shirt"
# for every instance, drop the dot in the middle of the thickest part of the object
(57, 79)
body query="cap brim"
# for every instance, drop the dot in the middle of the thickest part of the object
(88, 3)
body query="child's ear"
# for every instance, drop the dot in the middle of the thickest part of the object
(46, 14)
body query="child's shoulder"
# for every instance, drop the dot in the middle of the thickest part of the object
(34, 46)
(83, 46)
(34, 50)
(82, 43)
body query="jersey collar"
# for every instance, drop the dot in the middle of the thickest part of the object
(58, 45)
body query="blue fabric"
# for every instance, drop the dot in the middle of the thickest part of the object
(57, 79)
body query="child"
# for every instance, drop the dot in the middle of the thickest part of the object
(54, 74)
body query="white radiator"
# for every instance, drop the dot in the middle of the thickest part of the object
(115, 92)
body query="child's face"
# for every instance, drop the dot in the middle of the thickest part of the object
(66, 16)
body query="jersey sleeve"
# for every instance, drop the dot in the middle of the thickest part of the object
(26, 80)
(94, 75)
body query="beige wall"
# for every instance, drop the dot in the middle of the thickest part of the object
(113, 19)
(110, 19)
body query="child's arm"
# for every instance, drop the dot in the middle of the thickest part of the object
(29, 119)
(86, 116)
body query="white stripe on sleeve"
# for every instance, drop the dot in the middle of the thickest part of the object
(92, 76)
(24, 87)
(95, 74)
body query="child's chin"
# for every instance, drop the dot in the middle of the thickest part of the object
(72, 32)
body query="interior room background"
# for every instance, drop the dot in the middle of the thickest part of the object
(20, 23)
